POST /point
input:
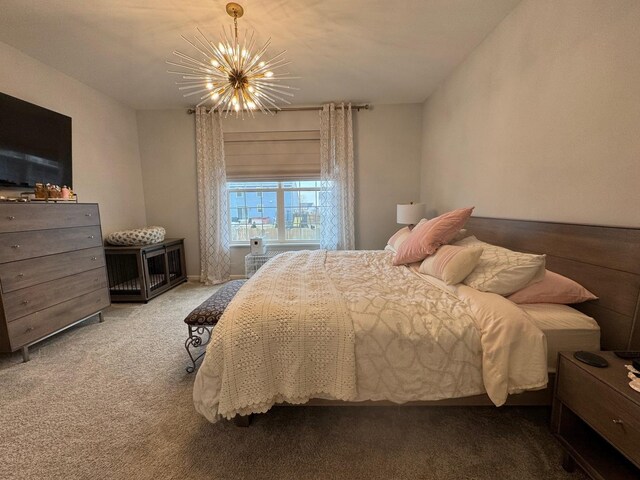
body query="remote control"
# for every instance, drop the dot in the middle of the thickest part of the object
(591, 359)
(628, 354)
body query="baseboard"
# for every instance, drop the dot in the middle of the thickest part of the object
(196, 278)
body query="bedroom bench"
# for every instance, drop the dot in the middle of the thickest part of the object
(203, 318)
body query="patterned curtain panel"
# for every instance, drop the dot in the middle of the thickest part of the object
(213, 211)
(337, 178)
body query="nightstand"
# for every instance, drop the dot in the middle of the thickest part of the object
(596, 417)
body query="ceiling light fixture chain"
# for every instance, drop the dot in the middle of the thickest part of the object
(232, 77)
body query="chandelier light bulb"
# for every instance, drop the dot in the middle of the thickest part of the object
(210, 86)
(268, 74)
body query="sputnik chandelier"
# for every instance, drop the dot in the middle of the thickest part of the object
(229, 75)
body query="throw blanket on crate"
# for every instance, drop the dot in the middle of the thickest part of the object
(270, 347)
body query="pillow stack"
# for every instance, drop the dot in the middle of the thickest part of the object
(444, 251)
(426, 237)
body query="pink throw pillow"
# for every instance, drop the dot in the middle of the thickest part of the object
(400, 236)
(425, 239)
(553, 288)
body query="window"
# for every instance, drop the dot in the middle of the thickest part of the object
(284, 211)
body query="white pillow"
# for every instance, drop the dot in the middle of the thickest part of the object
(451, 263)
(501, 270)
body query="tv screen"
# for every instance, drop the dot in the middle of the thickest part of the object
(35, 145)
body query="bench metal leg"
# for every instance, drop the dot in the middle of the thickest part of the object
(195, 340)
(25, 354)
(100, 317)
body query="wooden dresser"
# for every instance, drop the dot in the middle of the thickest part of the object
(596, 417)
(52, 270)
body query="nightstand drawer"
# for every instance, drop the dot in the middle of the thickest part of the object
(607, 411)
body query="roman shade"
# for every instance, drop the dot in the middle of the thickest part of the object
(263, 156)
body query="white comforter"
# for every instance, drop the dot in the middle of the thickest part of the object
(350, 326)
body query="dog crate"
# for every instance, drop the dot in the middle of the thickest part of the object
(137, 274)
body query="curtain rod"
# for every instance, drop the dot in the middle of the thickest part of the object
(357, 108)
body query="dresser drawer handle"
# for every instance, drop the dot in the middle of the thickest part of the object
(88, 215)
(15, 246)
(91, 236)
(24, 302)
(94, 258)
(617, 421)
(11, 217)
(28, 330)
(20, 275)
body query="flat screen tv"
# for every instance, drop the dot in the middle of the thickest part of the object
(35, 145)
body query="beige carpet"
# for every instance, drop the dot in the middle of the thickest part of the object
(113, 401)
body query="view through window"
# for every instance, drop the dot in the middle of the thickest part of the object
(287, 211)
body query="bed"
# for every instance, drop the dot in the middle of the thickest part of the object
(260, 355)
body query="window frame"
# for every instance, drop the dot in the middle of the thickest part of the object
(280, 208)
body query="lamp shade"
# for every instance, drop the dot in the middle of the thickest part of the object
(410, 213)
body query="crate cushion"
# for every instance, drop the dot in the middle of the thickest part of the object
(210, 311)
(138, 236)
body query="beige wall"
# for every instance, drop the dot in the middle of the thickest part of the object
(542, 121)
(387, 144)
(168, 154)
(106, 160)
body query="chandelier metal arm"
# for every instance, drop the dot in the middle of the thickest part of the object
(203, 52)
(272, 96)
(188, 60)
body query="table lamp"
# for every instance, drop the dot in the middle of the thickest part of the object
(410, 213)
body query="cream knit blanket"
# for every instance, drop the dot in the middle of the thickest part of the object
(269, 347)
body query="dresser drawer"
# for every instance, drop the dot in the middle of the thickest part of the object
(40, 324)
(32, 299)
(23, 245)
(22, 217)
(612, 415)
(27, 273)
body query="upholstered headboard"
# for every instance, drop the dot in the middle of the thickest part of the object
(606, 260)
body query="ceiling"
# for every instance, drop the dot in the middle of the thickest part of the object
(356, 50)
